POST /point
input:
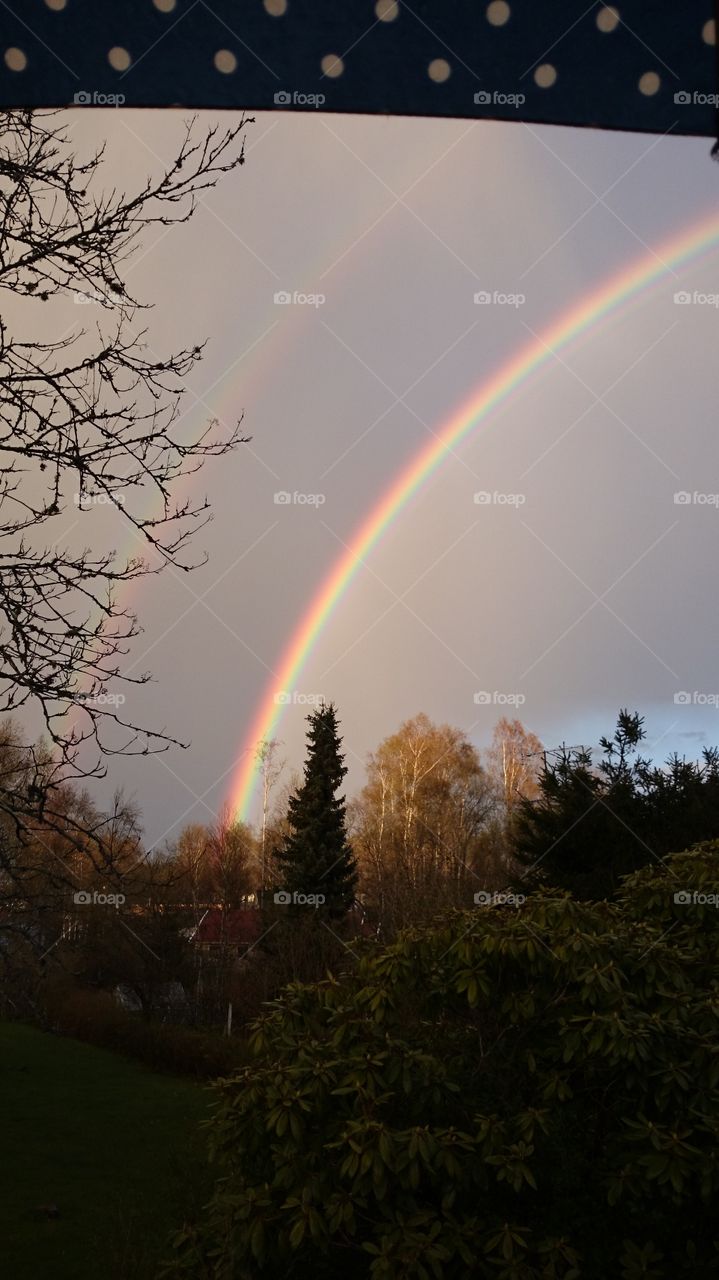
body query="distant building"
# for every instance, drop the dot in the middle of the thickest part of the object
(236, 929)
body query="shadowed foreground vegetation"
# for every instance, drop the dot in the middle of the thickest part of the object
(483, 1024)
(524, 1092)
(99, 1159)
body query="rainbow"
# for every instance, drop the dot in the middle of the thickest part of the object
(582, 317)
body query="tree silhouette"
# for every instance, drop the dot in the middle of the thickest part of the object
(593, 824)
(315, 857)
(89, 417)
(418, 821)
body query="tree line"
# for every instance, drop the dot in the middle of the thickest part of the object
(437, 825)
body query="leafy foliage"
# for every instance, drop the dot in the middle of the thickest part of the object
(593, 824)
(523, 1093)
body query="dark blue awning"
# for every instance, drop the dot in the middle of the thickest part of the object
(647, 65)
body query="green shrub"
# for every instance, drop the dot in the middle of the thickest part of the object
(95, 1017)
(515, 1093)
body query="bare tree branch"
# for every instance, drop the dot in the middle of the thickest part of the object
(92, 416)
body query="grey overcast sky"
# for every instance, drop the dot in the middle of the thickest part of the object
(597, 591)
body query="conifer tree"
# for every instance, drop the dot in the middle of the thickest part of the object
(315, 857)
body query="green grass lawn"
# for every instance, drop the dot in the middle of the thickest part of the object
(115, 1147)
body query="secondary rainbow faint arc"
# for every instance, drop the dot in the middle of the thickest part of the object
(650, 269)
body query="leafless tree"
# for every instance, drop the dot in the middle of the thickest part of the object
(91, 414)
(514, 762)
(88, 415)
(270, 772)
(417, 822)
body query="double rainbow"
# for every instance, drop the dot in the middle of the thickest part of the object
(600, 304)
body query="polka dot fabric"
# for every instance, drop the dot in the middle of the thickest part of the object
(630, 65)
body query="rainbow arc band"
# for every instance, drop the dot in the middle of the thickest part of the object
(628, 286)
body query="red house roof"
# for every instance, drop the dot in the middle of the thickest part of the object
(236, 927)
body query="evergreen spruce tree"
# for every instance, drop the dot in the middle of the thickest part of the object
(592, 823)
(315, 857)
